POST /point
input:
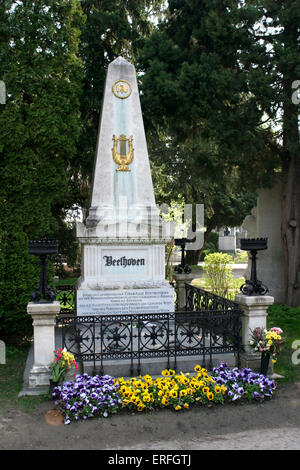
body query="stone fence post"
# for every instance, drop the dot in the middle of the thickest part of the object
(181, 280)
(44, 320)
(254, 315)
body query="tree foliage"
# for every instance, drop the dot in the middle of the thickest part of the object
(39, 127)
(216, 80)
(273, 65)
(197, 100)
(217, 83)
(112, 28)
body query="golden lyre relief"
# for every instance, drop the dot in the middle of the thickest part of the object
(124, 156)
(122, 89)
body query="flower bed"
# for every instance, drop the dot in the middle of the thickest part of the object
(89, 397)
(172, 390)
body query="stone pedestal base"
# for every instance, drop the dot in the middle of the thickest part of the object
(44, 319)
(181, 280)
(254, 315)
(39, 376)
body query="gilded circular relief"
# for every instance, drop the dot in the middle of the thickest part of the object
(122, 89)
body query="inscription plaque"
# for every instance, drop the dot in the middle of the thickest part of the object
(124, 301)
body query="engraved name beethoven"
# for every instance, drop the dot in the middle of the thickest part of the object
(123, 261)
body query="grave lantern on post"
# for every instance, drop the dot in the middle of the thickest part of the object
(183, 267)
(43, 248)
(253, 286)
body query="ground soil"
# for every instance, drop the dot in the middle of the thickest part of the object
(272, 425)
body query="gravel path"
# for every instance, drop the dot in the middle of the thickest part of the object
(268, 426)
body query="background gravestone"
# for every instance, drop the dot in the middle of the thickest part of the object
(2, 352)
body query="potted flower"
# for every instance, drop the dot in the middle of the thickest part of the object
(61, 364)
(268, 343)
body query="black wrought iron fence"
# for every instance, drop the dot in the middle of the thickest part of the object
(210, 325)
(142, 336)
(198, 299)
(66, 296)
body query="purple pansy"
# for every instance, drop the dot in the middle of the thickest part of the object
(244, 383)
(87, 397)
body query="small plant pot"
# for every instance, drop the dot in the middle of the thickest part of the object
(264, 363)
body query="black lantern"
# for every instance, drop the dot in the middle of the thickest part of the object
(43, 248)
(183, 267)
(254, 286)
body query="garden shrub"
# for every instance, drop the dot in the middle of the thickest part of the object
(218, 273)
(19, 275)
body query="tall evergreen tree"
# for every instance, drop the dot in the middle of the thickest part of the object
(112, 28)
(219, 75)
(272, 63)
(196, 96)
(39, 128)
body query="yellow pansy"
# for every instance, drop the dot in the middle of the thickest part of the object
(146, 398)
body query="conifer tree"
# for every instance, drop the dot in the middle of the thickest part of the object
(273, 66)
(112, 28)
(39, 128)
(219, 80)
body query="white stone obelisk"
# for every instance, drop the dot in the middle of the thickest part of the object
(123, 238)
